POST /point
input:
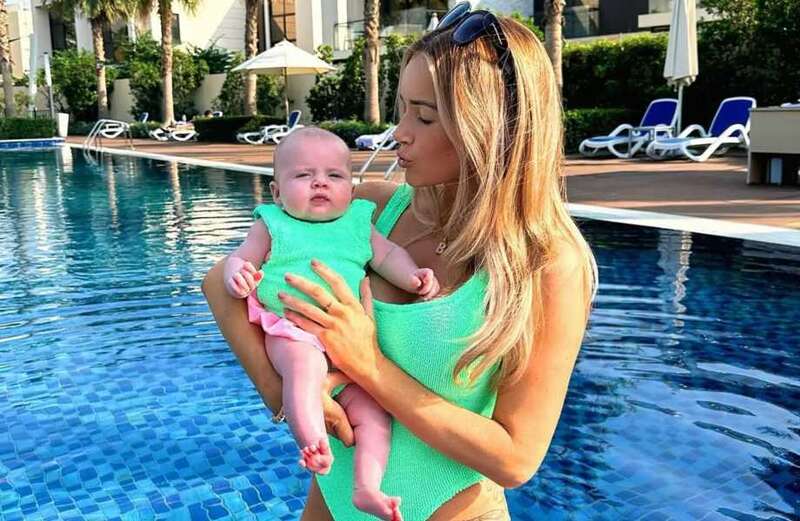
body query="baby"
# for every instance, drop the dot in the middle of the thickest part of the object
(315, 216)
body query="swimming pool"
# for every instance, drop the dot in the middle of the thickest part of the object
(120, 400)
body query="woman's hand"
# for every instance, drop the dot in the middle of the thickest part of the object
(343, 324)
(336, 421)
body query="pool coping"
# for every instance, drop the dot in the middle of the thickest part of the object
(190, 161)
(715, 227)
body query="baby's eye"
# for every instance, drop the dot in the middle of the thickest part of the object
(302, 174)
(336, 174)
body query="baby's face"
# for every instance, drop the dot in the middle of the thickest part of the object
(313, 181)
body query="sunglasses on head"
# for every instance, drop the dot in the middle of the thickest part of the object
(469, 25)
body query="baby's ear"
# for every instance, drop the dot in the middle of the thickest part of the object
(275, 191)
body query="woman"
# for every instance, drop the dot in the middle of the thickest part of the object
(475, 379)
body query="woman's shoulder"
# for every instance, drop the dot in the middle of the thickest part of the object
(379, 192)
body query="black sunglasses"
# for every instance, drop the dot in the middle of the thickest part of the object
(470, 25)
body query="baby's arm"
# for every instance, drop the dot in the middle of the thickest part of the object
(394, 264)
(241, 267)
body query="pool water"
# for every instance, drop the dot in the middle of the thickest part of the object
(119, 399)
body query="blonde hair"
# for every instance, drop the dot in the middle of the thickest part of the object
(510, 196)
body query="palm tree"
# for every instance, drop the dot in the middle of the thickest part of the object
(251, 48)
(101, 13)
(554, 17)
(5, 62)
(165, 14)
(372, 111)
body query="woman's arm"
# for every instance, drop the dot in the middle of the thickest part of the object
(245, 339)
(507, 448)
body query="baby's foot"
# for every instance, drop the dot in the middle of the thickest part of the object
(377, 503)
(317, 458)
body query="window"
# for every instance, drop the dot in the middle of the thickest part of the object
(281, 21)
(176, 29)
(62, 32)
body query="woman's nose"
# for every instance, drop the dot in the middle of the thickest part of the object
(401, 134)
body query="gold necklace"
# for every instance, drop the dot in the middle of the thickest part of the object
(439, 248)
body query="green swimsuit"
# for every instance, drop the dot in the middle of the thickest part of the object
(425, 339)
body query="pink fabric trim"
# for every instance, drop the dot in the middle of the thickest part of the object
(275, 325)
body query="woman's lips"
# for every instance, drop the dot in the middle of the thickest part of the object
(403, 162)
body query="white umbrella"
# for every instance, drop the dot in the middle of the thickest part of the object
(434, 22)
(681, 68)
(287, 59)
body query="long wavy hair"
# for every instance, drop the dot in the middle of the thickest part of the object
(510, 195)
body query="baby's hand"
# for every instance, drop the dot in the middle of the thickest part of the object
(425, 283)
(243, 280)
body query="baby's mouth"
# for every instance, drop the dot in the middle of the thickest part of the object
(320, 199)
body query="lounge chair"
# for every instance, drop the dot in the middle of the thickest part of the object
(626, 140)
(265, 134)
(384, 140)
(729, 128)
(113, 129)
(178, 133)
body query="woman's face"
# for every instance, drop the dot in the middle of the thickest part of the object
(425, 152)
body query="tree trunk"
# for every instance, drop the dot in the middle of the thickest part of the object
(372, 111)
(165, 13)
(5, 63)
(554, 12)
(251, 48)
(100, 67)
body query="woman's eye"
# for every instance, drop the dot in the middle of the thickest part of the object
(424, 121)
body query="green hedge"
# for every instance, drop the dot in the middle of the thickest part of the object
(224, 129)
(26, 128)
(582, 123)
(349, 130)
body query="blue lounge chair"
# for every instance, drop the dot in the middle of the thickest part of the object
(384, 140)
(729, 128)
(272, 133)
(626, 140)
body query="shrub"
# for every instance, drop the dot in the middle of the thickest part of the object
(217, 59)
(351, 129)
(26, 128)
(269, 92)
(79, 128)
(141, 62)
(224, 129)
(142, 130)
(628, 73)
(75, 83)
(340, 95)
(582, 123)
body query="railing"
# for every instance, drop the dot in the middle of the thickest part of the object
(108, 128)
(386, 143)
(405, 21)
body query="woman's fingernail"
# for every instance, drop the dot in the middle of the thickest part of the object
(314, 262)
(281, 295)
(287, 277)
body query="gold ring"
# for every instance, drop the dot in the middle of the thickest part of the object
(327, 306)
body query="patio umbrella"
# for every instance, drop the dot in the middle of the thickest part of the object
(681, 69)
(287, 59)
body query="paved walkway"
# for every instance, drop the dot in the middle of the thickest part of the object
(715, 189)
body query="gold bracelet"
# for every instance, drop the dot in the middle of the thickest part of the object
(279, 417)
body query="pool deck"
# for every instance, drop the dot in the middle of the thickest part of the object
(714, 190)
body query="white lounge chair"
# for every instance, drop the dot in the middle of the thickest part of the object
(729, 128)
(626, 140)
(173, 134)
(264, 134)
(113, 129)
(384, 140)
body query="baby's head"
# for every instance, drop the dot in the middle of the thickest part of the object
(313, 178)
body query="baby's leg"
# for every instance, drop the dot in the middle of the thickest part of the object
(372, 430)
(303, 368)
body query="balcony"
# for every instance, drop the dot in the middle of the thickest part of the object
(402, 22)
